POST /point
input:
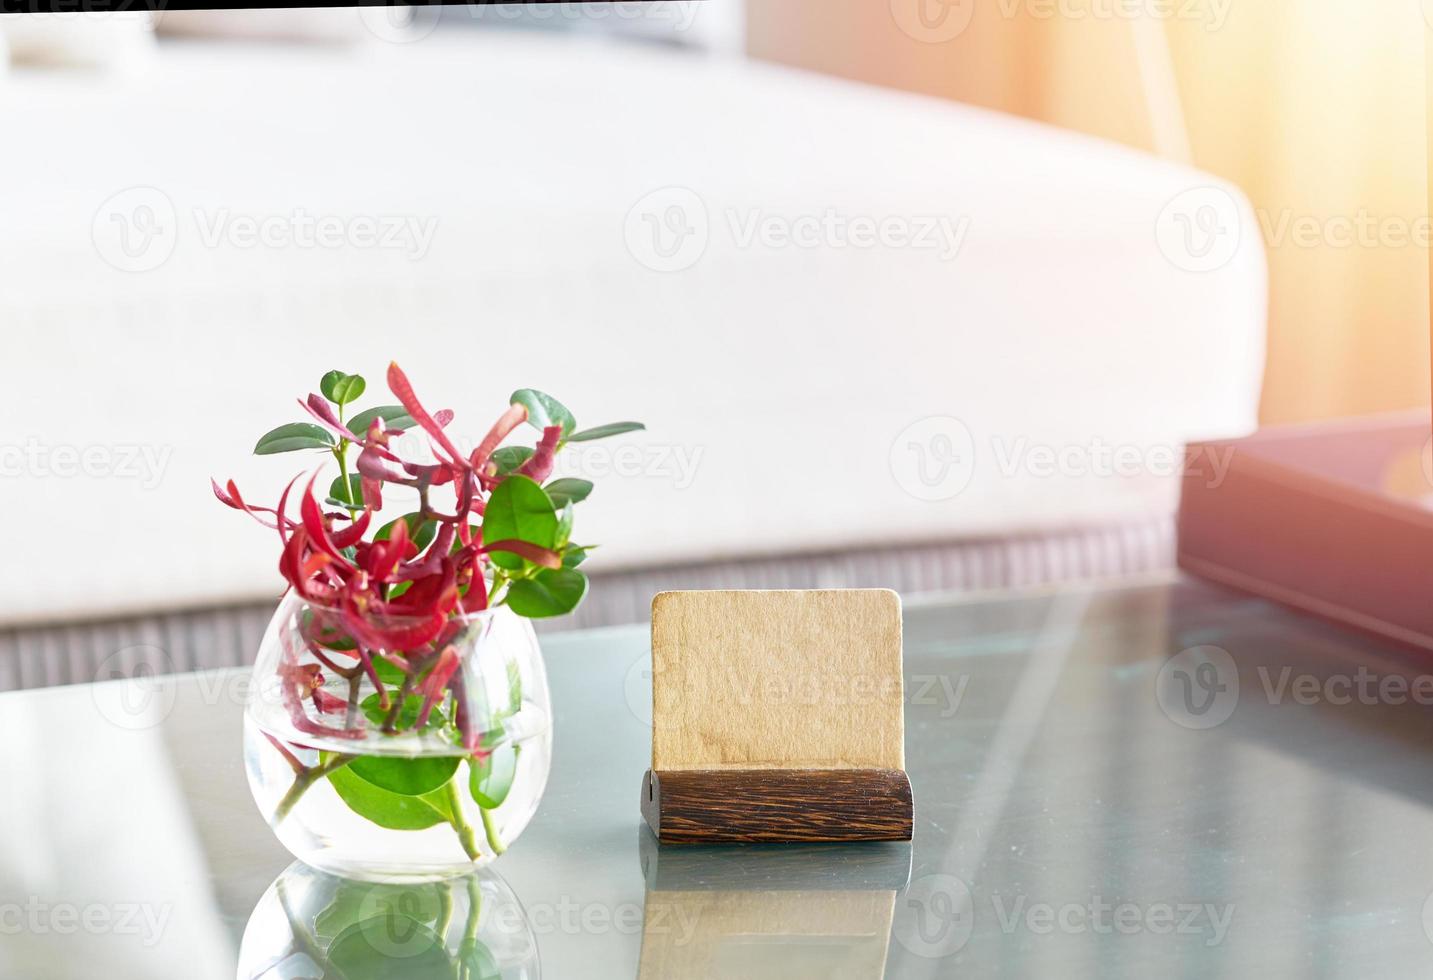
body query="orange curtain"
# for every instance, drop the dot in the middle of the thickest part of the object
(1314, 107)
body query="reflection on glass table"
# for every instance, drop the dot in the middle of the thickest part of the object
(1155, 778)
(314, 926)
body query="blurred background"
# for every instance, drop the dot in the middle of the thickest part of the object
(927, 294)
(1315, 110)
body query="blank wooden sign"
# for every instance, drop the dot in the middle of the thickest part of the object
(777, 716)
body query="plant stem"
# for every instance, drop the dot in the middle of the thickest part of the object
(340, 452)
(475, 909)
(305, 779)
(466, 837)
(490, 828)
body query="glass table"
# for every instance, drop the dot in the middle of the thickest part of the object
(1158, 778)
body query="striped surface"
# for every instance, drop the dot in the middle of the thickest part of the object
(226, 637)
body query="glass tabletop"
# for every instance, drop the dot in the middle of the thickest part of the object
(1156, 778)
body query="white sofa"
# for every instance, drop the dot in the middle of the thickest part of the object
(779, 381)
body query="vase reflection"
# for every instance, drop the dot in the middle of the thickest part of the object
(310, 925)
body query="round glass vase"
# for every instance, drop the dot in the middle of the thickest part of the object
(397, 765)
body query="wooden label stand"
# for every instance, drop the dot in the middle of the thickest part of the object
(777, 717)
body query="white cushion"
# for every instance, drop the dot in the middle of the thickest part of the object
(780, 382)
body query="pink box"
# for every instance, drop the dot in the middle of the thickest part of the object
(1333, 518)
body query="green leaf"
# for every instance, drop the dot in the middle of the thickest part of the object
(568, 489)
(564, 527)
(477, 961)
(388, 674)
(341, 388)
(295, 435)
(393, 811)
(519, 510)
(514, 687)
(420, 532)
(510, 458)
(393, 416)
(354, 901)
(544, 410)
(352, 495)
(405, 776)
(373, 710)
(551, 592)
(390, 946)
(575, 555)
(605, 431)
(490, 779)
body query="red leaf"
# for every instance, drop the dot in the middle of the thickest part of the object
(403, 390)
(319, 408)
(351, 535)
(539, 466)
(534, 553)
(314, 523)
(515, 416)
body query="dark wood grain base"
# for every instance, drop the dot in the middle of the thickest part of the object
(777, 805)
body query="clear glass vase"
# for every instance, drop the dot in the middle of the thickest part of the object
(311, 924)
(397, 765)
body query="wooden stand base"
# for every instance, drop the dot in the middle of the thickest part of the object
(747, 806)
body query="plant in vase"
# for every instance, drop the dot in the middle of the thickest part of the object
(399, 725)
